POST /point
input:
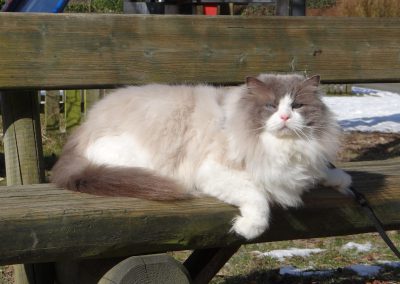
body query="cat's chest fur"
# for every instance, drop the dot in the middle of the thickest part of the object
(287, 168)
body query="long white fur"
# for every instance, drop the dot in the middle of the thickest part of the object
(265, 178)
(119, 150)
(237, 188)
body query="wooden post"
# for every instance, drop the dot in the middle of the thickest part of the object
(52, 111)
(203, 264)
(24, 161)
(157, 268)
(72, 118)
(22, 137)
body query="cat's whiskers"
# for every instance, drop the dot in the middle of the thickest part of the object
(298, 133)
(256, 130)
(314, 128)
(317, 130)
(301, 134)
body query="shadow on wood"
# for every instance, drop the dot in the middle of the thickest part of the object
(99, 227)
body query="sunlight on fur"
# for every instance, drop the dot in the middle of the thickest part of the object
(264, 142)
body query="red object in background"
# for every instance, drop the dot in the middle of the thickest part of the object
(210, 9)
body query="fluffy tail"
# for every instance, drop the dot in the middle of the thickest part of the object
(80, 175)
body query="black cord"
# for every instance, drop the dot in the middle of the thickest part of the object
(363, 202)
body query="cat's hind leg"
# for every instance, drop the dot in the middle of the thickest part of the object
(235, 187)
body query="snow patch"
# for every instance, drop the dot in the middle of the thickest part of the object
(365, 270)
(388, 263)
(281, 254)
(375, 112)
(358, 247)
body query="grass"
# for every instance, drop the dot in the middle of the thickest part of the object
(318, 4)
(246, 267)
(94, 6)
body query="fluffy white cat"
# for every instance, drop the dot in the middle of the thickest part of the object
(266, 141)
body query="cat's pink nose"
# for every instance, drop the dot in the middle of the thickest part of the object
(285, 117)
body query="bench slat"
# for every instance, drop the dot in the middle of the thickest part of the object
(88, 50)
(70, 225)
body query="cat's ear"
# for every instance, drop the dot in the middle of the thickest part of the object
(257, 87)
(259, 90)
(253, 83)
(312, 81)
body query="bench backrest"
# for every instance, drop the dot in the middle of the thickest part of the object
(46, 51)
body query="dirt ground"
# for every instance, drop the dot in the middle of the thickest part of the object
(362, 146)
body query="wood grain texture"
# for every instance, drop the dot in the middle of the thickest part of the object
(158, 268)
(88, 51)
(52, 111)
(204, 264)
(42, 223)
(24, 161)
(22, 138)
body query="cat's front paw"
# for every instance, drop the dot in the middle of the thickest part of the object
(340, 180)
(248, 227)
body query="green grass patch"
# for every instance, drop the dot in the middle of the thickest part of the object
(247, 267)
(94, 6)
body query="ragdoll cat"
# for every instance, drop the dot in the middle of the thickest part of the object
(266, 141)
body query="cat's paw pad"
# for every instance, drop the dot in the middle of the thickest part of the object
(340, 180)
(249, 228)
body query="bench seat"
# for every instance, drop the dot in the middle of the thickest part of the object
(42, 223)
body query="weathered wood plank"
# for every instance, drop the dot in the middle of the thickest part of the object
(203, 264)
(24, 162)
(22, 138)
(87, 51)
(67, 225)
(159, 268)
(52, 111)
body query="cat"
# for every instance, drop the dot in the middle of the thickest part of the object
(261, 143)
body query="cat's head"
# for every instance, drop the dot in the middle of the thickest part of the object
(287, 105)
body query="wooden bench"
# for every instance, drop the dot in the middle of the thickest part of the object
(86, 235)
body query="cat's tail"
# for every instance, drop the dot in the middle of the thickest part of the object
(83, 176)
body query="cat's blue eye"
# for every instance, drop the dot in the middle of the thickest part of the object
(297, 105)
(270, 106)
